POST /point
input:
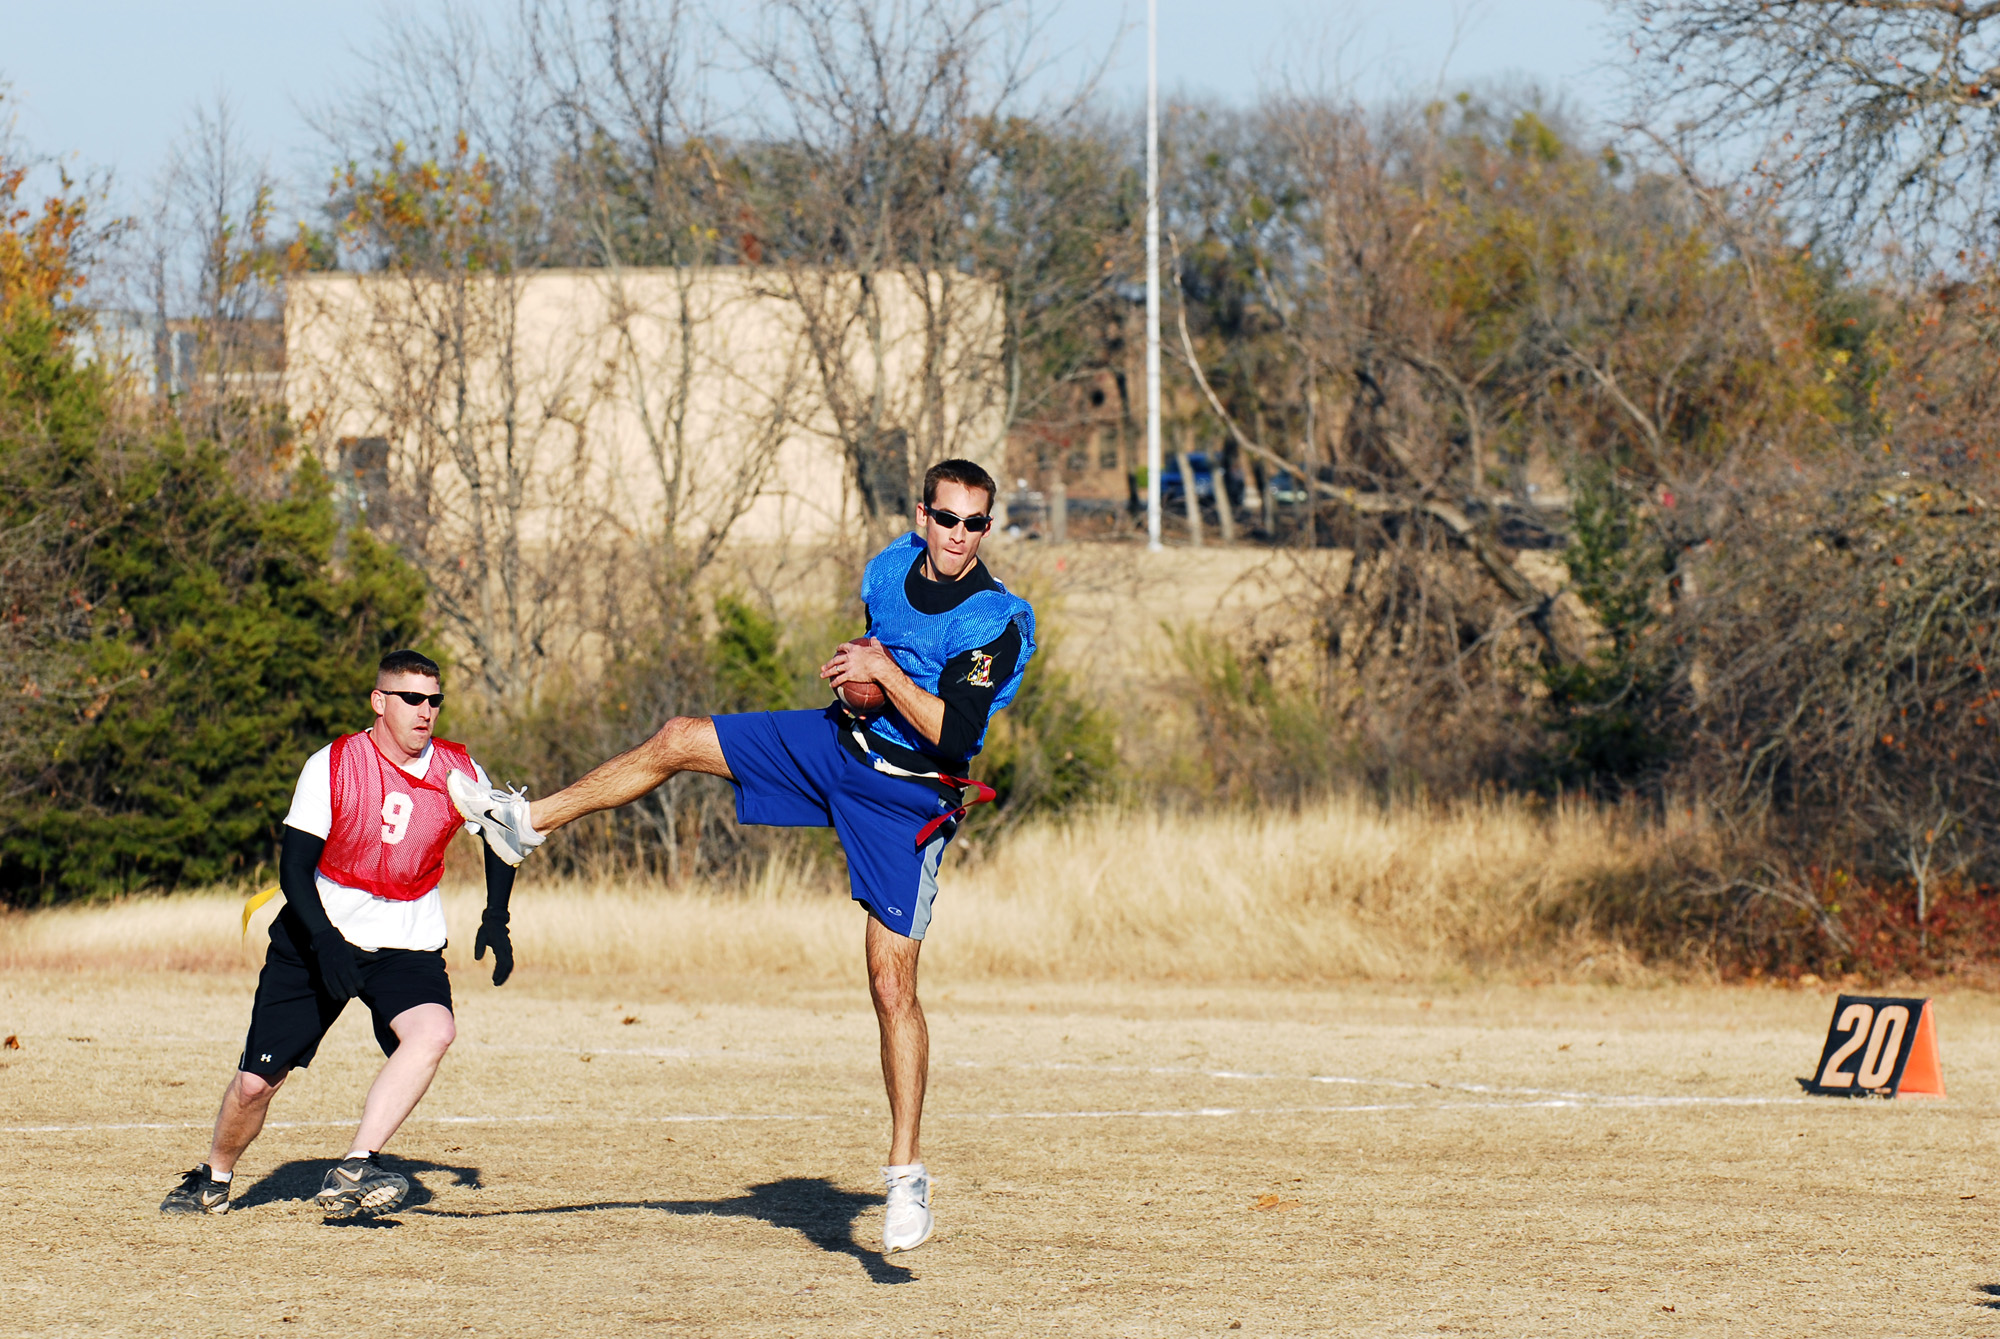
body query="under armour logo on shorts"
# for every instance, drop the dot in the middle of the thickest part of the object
(265, 1058)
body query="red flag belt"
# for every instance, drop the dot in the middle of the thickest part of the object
(970, 792)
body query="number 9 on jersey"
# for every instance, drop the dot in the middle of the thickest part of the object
(396, 811)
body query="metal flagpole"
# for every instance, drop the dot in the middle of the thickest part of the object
(1153, 462)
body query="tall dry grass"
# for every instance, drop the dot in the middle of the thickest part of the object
(1342, 890)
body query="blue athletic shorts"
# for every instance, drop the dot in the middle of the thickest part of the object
(791, 772)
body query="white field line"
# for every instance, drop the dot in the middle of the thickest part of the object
(1181, 1071)
(234, 1041)
(1359, 1081)
(1373, 1106)
(723, 1118)
(1413, 1085)
(580, 1118)
(1549, 1099)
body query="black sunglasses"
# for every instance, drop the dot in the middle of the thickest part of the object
(413, 698)
(977, 525)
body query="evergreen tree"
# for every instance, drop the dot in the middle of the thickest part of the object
(192, 641)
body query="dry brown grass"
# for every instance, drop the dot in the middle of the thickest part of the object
(1343, 890)
(604, 1159)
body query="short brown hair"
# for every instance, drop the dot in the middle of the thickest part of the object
(964, 473)
(407, 662)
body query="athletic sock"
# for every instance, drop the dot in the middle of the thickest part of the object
(222, 1178)
(359, 1153)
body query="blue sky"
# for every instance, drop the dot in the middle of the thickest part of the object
(111, 82)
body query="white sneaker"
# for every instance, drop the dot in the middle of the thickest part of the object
(500, 816)
(909, 1222)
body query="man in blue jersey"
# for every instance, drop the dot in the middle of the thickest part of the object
(948, 645)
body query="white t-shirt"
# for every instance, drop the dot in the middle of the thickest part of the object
(363, 919)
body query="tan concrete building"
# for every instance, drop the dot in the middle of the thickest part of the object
(728, 403)
(562, 448)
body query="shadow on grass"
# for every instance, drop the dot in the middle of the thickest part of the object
(813, 1207)
(299, 1181)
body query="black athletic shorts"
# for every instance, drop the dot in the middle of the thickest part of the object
(293, 1012)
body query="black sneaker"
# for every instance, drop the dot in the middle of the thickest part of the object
(198, 1192)
(361, 1186)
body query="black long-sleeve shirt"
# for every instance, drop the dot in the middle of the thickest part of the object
(298, 860)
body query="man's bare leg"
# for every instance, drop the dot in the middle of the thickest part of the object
(906, 1039)
(423, 1035)
(245, 1102)
(684, 744)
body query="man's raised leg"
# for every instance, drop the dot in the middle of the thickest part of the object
(684, 744)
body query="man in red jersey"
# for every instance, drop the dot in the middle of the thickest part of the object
(360, 864)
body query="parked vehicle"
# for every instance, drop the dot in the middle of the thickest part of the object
(1287, 488)
(1174, 490)
(1027, 508)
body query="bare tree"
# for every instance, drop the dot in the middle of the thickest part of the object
(472, 445)
(868, 187)
(1434, 317)
(568, 406)
(1868, 118)
(228, 200)
(211, 272)
(649, 193)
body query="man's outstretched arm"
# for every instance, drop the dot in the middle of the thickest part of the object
(684, 744)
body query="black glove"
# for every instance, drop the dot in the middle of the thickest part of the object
(493, 935)
(338, 971)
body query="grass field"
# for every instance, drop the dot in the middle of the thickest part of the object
(1269, 1076)
(612, 1157)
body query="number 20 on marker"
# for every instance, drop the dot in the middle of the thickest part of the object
(1879, 1048)
(1884, 1040)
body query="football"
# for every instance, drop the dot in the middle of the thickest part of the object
(863, 697)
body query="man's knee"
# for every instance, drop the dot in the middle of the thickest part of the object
(255, 1089)
(426, 1029)
(669, 743)
(673, 742)
(686, 744)
(893, 988)
(892, 968)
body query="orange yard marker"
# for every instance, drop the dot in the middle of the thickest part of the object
(1872, 1050)
(1923, 1072)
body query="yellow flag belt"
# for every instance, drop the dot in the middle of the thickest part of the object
(255, 901)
